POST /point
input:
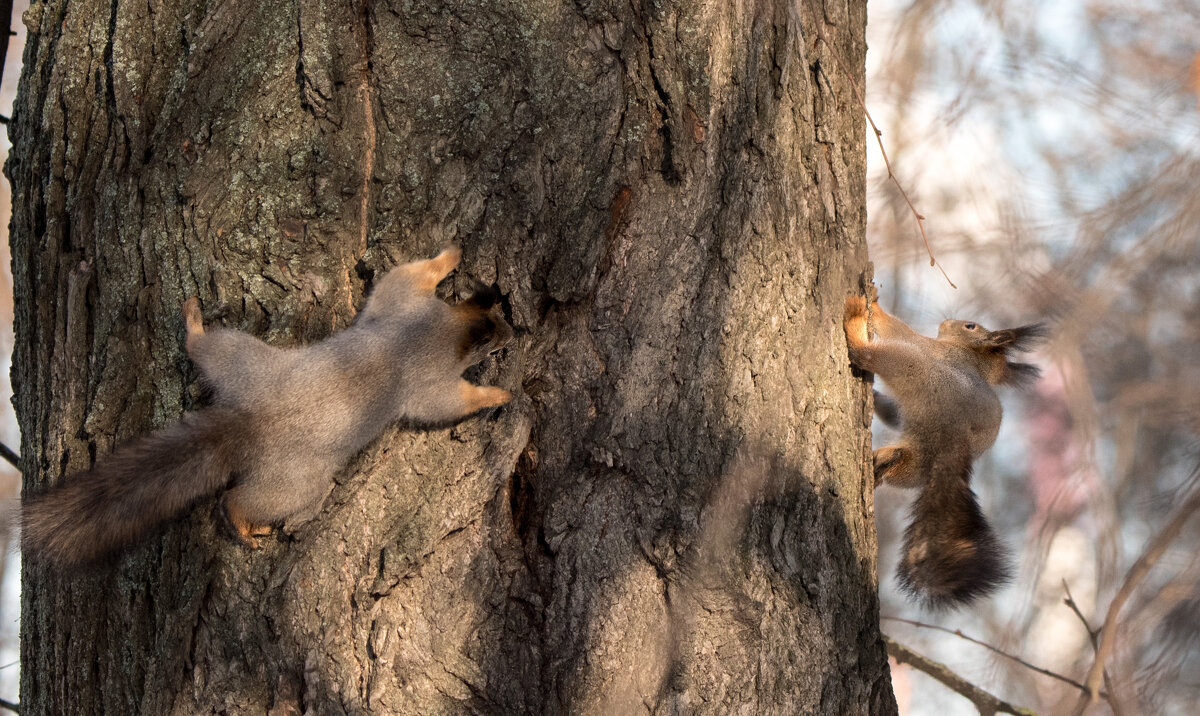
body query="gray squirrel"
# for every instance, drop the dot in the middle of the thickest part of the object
(282, 421)
(946, 405)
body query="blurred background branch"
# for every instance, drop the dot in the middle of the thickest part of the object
(984, 702)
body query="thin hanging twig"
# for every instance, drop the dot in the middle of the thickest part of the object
(879, 139)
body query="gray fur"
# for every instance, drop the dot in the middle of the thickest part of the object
(284, 421)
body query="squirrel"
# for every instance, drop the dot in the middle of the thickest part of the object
(282, 421)
(946, 405)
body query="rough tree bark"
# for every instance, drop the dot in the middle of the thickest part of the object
(672, 517)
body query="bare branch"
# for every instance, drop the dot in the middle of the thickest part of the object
(1135, 576)
(1070, 602)
(984, 702)
(995, 650)
(1093, 636)
(7, 453)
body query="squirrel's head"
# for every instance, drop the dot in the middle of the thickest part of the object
(992, 347)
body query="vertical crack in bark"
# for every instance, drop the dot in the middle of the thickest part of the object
(366, 39)
(110, 94)
(669, 169)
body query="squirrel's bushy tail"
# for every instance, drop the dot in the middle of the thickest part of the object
(144, 483)
(951, 556)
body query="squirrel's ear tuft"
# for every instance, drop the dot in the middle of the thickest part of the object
(1020, 375)
(483, 295)
(1021, 338)
(1029, 336)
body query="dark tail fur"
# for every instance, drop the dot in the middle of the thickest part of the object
(127, 494)
(951, 556)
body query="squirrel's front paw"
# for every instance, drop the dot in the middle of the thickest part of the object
(490, 396)
(449, 257)
(856, 306)
(854, 321)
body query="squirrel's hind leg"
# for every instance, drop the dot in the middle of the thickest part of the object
(247, 530)
(291, 493)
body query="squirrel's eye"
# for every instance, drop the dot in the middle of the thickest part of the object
(969, 326)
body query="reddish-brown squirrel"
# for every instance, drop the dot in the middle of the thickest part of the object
(282, 421)
(944, 399)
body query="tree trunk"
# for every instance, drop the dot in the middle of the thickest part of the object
(673, 516)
